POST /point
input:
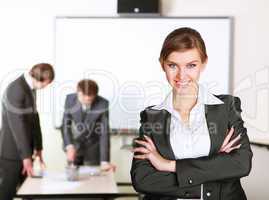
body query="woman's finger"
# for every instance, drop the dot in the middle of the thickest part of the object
(228, 137)
(145, 144)
(23, 171)
(232, 142)
(141, 157)
(150, 142)
(233, 148)
(140, 150)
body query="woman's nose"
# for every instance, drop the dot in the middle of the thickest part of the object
(181, 73)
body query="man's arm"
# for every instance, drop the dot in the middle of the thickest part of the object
(67, 135)
(105, 137)
(16, 115)
(38, 144)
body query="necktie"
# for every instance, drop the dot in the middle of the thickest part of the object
(84, 112)
(85, 109)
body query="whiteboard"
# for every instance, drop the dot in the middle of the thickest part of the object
(121, 55)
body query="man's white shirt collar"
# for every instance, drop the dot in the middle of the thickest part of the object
(28, 80)
(85, 107)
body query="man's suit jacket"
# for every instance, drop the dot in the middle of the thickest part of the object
(21, 132)
(220, 173)
(89, 131)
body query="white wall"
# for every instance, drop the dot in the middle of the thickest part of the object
(27, 37)
(132, 46)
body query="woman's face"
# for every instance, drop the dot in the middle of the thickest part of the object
(183, 68)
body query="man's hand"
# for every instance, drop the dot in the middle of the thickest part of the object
(38, 155)
(27, 167)
(71, 153)
(108, 167)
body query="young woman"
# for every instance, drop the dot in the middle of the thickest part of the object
(193, 145)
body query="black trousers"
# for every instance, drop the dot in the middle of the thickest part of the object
(10, 178)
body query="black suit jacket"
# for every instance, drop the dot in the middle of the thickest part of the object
(89, 131)
(21, 132)
(219, 172)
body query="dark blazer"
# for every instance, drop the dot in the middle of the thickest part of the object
(21, 132)
(89, 131)
(220, 173)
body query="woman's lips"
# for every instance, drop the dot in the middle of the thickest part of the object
(182, 83)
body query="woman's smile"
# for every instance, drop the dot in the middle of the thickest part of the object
(181, 83)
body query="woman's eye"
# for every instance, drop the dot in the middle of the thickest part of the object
(172, 66)
(191, 65)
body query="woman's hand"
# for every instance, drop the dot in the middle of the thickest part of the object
(149, 152)
(228, 145)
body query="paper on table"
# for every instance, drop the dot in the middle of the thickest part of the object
(52, 186)
(57, 181)
(53, 175)
(87, 170)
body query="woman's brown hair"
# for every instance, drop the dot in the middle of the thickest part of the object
(183, 39)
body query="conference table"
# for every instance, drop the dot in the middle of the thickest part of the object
(91, 183)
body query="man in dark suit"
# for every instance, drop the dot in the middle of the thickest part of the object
(85, 128)
(20, 136)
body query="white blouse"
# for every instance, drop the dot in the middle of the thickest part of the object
(190, 141)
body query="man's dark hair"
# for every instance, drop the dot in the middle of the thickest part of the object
(88, 87)
(42, 72)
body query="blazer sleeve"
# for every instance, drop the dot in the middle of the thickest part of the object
(220, 166)
(105, 137)
(37, 132)
(146, 179)
(67, 125)
(16, 115)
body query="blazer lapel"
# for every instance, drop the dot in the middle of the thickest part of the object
(78, 111)
(161, 133)
(92, 114)
(217, 123)
(216, 118)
